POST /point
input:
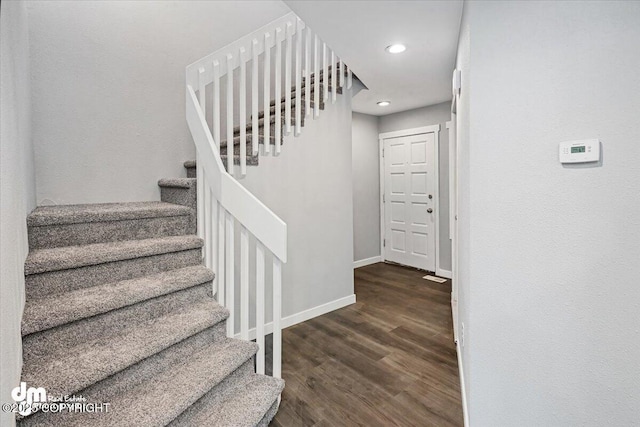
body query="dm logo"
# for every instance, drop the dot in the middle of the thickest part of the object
(26, 397)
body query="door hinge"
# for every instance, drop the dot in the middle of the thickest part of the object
(383, 198)
(383, 152)
(384, 243)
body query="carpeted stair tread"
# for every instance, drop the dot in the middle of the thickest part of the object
(68, 257)
(48, 312)
(74, 214)
(67, 370)
(158, 400)
(243, 404)
(177, 182)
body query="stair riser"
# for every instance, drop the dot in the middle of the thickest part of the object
(53, 236)
(128, 378)
(57, 282)
(185, 197)
(108, 324)
(42, 314)
(197, 413)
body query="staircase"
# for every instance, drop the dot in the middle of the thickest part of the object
(120, 310)
(123, 307)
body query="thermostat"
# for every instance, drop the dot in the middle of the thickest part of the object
(584, 151)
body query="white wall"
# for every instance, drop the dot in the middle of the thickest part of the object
(108, 90)
(551, 252)
(437, 114)
(309, 185)
(17, 190)
(366, 187)
(424, 116)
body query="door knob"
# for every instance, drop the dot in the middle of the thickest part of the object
(430, 210)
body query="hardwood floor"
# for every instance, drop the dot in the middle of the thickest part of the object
(388, 360)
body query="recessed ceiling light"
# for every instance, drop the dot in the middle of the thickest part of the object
(396, 48)
(383, 103)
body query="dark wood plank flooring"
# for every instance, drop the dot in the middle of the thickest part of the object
(388, 360)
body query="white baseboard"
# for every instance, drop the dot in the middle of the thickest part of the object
(444, 273)
(463, 390)
(367, 261)
(305, 315)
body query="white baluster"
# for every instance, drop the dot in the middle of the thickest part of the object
(199, 196)
(287, 81)
(220, 276)
(202, 96)
(307, 72)
(213, 231)
(349, 78)
(230, 274)
(244, 284)
(216, 102)
(278, 94)
(243, 113)
(260, 275)
(230, 113)
(325, 73)
(334, 83)
(266, 128)
(277, 314)
(341, 74)
(254, 98)
(206, 226)
(298, 75)
(316, 78)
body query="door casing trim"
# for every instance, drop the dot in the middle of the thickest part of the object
(435, 129)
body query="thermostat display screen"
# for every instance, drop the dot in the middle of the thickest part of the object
(580, 149)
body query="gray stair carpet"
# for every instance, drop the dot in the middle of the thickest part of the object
(120, 310)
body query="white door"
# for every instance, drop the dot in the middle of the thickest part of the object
(409, 200)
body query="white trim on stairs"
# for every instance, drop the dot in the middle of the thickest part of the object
(305, 315)
(367, 261)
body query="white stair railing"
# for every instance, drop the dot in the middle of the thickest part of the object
(224, 205)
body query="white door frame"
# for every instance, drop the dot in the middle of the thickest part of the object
(435, 129)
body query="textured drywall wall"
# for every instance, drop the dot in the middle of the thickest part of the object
(309, 185)
(17, 190)
(437, 114)
(108, 90)
(553, 250)
(366, 187)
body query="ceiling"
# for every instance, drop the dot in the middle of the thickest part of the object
(359, 32)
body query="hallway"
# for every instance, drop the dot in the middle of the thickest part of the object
(387, 360)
